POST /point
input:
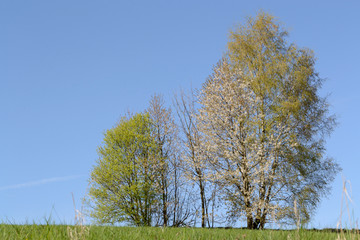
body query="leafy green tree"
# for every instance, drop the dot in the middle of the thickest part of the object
(264, 125)
(122, 183)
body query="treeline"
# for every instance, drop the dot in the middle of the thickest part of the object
(149, 172)
(248, 145)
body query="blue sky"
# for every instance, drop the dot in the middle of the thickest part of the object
(70, 69)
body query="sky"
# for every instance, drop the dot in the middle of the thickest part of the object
(70, 69)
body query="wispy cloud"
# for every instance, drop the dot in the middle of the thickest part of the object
(40, 182)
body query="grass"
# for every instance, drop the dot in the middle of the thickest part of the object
(49, 231)
(80, 231)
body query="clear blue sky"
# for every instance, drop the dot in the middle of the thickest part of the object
(70, 69)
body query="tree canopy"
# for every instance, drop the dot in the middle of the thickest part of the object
(252, 141)
(122, 182)
(265, 124)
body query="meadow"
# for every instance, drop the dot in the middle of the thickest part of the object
(51, 231)
(47, 229)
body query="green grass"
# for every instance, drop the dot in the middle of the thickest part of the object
(49, 231)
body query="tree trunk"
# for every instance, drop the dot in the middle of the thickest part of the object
(203, 205)
(164, 210)
(262, 220)
(250, 224)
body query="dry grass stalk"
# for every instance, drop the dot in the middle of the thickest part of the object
(346, 198)
(80, 231)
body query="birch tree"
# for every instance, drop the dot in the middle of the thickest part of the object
(265, 125)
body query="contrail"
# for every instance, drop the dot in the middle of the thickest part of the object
(40, 182)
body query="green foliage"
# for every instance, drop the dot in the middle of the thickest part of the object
(122, 182)
(259, 140)
(265, 125)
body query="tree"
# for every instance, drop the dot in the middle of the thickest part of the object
(193, 155)
(138, 177)
(122, 183)
(264, 126)
(169, 181)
